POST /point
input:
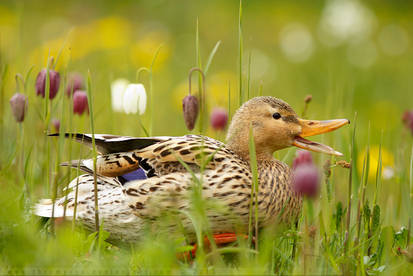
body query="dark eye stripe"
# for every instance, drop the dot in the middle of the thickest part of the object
(290, 118)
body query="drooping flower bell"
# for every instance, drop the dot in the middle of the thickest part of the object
(118, 88)
(75, 82)
(80, 103)
(54, 83)
(219, 118)
(190, 104)
(56, 124)
(306, 178)
(18, 104)
(303, 157)
(408, 120)
(190, 107)
(134, 99)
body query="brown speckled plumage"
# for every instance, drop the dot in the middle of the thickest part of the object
(226, 180)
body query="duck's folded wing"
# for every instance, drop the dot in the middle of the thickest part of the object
(107, 143)
(152, 154)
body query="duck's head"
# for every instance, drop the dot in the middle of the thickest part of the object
(275, 126)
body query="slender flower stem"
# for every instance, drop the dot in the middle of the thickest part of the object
(2, 84)
(19, 79)
(229, 100)
(350, 183)
(69, 148)
(240, 50)
(150, 90)
(46, 124)
(76, 189)
(254, 189)
(409, 230)
(138, 79)
(92, 126)
(249, 77)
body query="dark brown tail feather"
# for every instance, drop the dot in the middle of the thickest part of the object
(112, 143)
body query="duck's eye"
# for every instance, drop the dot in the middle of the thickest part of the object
(276, 115)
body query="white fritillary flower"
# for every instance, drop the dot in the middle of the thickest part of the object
(134, 99)
(118, 88)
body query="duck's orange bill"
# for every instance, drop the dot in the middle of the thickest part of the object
(311, 127)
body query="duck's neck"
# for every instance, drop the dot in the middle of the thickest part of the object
(242, 150)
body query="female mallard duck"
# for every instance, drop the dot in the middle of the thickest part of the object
(227, 178)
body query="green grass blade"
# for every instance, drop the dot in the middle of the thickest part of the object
(240, 51)
(211, 56)
(92, 127)
(254, 189)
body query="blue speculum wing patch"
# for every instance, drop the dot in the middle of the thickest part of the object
(139, 174)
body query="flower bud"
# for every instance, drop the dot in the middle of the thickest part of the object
(303, 157)
(134, 99)
(344, 164)
(306, 180)
(219, 118)
(54, 82)
(74, 82)
(308, 99)
(18, 105)
(56, 124)
(190, 109)
(408, 119)
(80, 103)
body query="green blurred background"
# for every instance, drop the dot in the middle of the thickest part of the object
(350, 55)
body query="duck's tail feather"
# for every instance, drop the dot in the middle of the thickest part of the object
(108, 188)
(45, 209)
(81, 164)
(106, 143)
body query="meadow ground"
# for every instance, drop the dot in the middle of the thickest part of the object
(353, 57)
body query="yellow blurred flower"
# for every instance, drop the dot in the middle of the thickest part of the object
(112, 32)
(103, 34)
(142, 51)
(8, 33)
(82, 41)
(216, 90)
(387, 162)
(7, 17)
(51, 48)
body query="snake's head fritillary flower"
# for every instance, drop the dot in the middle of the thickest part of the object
(302, 157)
(54, 83)
(18, 105)
(118, 88)
(308, 99)
(219, 118)
(306, 178)
(134, 99)
(56, 124)
(75, 82)
(80, 104)
(190, 107)
(408, 119)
